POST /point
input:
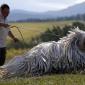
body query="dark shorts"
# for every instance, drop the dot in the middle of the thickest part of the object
(2, 55)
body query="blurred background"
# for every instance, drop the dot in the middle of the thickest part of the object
(42, 21)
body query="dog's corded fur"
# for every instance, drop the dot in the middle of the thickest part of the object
(61, 56)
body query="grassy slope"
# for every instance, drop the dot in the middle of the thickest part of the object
(48, 80)
(44, 80)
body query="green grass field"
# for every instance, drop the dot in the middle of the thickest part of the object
(30, 30)
(60, 79)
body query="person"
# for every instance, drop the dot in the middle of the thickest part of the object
(4, 32)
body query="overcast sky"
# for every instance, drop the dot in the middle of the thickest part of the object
(40, 5)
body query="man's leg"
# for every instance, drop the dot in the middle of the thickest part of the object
(2, 56)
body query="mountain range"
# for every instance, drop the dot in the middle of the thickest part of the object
(17, 15)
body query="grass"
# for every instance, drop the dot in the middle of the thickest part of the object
(62, 79)
(30, 30)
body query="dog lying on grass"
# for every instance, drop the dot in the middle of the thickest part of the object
(66, 55)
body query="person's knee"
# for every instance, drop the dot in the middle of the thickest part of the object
(2, 56)
(1, 63)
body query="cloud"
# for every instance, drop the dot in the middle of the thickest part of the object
(80, 1)
(56, 1)
(48, 6)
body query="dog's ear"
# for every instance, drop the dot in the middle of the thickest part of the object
(77, 30)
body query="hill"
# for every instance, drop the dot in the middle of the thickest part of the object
(16, 15)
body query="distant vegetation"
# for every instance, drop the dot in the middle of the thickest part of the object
(55, 34)
(74, 17)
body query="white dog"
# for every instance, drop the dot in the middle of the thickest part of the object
(66, 55)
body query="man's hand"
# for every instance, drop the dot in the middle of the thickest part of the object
(6, 25)
(13, 37)
(16, 40)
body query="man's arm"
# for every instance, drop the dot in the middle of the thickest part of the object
(13, 37)
(4, 25)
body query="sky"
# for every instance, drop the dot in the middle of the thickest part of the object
(40, 5)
